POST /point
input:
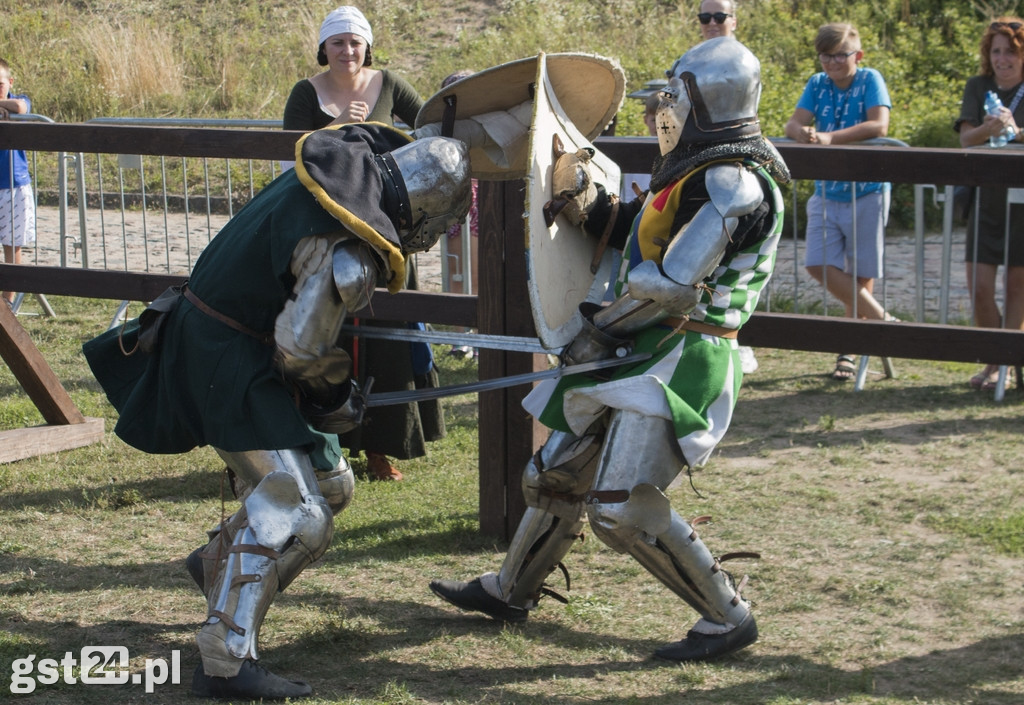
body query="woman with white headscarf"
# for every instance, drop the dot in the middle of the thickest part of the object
(349, 90)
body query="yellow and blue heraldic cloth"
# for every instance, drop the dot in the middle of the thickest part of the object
(692, 379)
(209, 384)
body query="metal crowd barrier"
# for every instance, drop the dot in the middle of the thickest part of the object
(800, 276)
(156, 214)
(33, 166)
(945, 200)
(146, 213)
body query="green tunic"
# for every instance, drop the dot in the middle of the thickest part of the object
(208, 384)
(397, 97)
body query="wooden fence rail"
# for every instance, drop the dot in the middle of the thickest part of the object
(507, 436)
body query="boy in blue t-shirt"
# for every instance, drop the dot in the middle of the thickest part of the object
(17, 205)
(841, 105)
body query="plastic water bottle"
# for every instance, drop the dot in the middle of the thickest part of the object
(992, 107)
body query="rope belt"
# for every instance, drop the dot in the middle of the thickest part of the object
(265, 338)
(700, 327)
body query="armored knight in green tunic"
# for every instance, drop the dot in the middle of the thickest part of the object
(697, 252)
(247, 362)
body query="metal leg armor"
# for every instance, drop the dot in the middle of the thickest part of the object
(641, 455)
(554, 484)
(285, 523)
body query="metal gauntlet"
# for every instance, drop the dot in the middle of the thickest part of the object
(343, 415)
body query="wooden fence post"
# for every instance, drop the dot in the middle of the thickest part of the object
(508, 436)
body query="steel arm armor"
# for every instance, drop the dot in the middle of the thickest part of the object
(672, 288)
(333, 277)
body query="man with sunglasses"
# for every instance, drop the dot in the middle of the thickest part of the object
(717, 19)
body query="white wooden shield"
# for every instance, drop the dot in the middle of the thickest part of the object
(559, 257)
(589, 88)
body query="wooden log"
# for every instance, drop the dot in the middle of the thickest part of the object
(21, 443)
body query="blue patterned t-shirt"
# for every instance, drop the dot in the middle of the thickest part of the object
(836, 109)
(21, 174)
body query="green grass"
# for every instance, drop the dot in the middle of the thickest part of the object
(888, 521)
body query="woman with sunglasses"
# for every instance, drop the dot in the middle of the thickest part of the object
(1002, 71)
(717, 18)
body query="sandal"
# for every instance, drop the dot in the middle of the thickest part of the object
(991, 383)
(979, 380)
(845, 368)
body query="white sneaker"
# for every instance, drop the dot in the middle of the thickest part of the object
(748, 363)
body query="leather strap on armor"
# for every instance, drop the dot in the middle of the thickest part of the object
(265, 338)
(602, 244)
(699, 327)
(448, 118)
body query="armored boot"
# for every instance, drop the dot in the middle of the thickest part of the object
(285, 524)
(555, 483)
(642, 456)
(253, 682)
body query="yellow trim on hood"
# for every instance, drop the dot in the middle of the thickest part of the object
(396, 259)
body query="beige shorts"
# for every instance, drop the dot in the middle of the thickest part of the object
(17, 217)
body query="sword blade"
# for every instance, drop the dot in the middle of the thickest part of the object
(486, 385)
(510, 343)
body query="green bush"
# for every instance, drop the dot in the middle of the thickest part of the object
(212, 58)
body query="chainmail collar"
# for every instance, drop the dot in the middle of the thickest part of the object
(685, 158)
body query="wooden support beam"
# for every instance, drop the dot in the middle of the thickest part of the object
(443, 309)
(67, 428)
(508, 436)
(22, 443)
(902, 165)
(915, 341)
(34, 375)
(161, 141)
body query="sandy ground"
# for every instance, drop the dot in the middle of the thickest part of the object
(170, 243)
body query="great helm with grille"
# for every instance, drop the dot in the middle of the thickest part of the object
(435, 175)
(711, 97)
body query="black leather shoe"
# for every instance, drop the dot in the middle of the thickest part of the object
(253, 682)
(704, 647)
(472, 596)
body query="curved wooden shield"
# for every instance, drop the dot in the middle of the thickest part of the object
(559, 257)
(589, 88)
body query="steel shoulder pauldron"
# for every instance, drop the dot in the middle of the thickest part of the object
(697, 248)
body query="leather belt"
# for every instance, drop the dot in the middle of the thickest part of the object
(602, 244)
(265, 338)
(699, 327)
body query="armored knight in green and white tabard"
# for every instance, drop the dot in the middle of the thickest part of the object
(697, 252)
